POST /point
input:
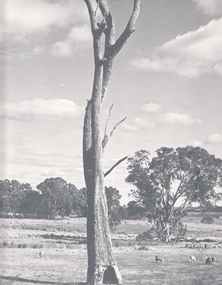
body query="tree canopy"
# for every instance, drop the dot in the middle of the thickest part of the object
(12, 196)
(54, 196)
(58, 197)
(173, 179)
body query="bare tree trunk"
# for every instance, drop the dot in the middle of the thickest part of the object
(167, 232)
(102, 267)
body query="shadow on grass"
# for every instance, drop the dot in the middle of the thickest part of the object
(74, 239)
(18, 279)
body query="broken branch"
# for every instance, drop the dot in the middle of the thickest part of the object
(115, 165)
(111, 133)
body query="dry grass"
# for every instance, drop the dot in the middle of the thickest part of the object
(65, 258)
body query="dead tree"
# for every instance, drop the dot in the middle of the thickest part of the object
(102, 267)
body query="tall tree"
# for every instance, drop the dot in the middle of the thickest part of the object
(57, 197)
(5, 196)
(102, 266)
(12, 194)
(30, 202)
(172, 180)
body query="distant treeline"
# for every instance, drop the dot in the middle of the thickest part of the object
(55, 197)
(213, 209)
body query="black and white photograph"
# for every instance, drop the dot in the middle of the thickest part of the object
(111, 142)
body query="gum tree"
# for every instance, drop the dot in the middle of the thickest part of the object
(173, 179)
(102, 267)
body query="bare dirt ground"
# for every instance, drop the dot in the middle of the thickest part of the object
(64, 258)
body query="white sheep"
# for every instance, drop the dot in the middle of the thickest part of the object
(193, 259)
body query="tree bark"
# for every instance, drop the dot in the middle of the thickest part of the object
(167, 232)
(102, 266)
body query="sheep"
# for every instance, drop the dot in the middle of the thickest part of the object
(192, 259)
(158, 259)
(208, 260)
(40, 254)
(213, 259)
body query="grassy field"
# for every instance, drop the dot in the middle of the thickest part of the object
(64, 261)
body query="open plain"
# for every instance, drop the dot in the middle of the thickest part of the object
(64, 256)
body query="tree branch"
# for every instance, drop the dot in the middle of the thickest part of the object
(112, 48)
(111, 133)
(97, 32)
(97, 6)
(106, 137)
(178, 193)
(181, 208)
(92, 15)
(110, 29)
(130, 28)
(115, 165)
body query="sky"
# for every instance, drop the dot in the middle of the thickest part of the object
(167, 81)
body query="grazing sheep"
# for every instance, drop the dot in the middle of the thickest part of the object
(213, 259)
(158, 259)
(40, 254)
(208, 260)
(192, 259)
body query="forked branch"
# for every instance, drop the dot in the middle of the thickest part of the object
(130, 28)
(112, 47)
(106, 137)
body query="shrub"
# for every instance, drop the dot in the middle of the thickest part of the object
(180, 230)
(207, 220)
(151, 234)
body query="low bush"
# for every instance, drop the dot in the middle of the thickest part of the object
(150, 234)
(207, 220)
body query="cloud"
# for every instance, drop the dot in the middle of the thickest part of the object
(79, 38)
(210, 7)
(22, 17)
(214, 139)
(62, 49)
(151, 107)
(139, 122)
(190, 55)
(177, 118)
(38, 50)
(197, 143)
(80, 34)
(42, 109)
(129, 128)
